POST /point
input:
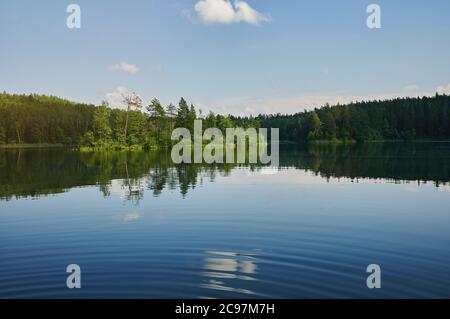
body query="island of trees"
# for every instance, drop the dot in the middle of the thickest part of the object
(40, 119)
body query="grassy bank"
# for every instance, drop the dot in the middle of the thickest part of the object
(156, 147)
(333, 141)
(43, 145)
(116, 148)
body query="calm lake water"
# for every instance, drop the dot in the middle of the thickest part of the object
(140, 226)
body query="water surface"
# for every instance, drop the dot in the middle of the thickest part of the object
(140, 226)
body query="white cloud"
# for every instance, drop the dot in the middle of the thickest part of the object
(124, 67)
(215, 11)
(115, 98)
(411, 88)
(443, 89)
(223, 11)
(289, 104)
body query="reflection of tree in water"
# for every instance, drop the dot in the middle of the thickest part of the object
(158, 178)
(135, 188)
(42, 172)
(152, 170)
(399, 162)
(117, 165)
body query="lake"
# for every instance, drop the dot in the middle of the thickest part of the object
(140, 226)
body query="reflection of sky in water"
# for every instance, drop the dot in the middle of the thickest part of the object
(190, 231)
(135, 189)
(128, 217)
(127, 188)
(225, 270)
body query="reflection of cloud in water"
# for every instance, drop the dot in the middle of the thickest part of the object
(444, 188)
(219, 285)
(126, 188)
(221, 264)
(269, 170)
(283, 176)
(128, 217)
(225, 270)
(411, 188)
(129, 189)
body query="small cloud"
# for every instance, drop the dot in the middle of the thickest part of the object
(124, 67)
(223, 11)
(187, 14)
(411, 88)
(443, 89)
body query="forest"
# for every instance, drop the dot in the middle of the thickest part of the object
(40, 119)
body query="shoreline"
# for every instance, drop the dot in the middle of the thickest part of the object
(38, 145)
(141, 147)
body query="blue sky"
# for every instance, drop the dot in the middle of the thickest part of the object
(278, 56)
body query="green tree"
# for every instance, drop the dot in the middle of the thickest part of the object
(2, 135)
(132, 102)
(171, 113)
(224, 122)
(182, 118)
(117, 120)
(88, 139)
(157, 118)
(328, 125)
(101, 126)
(210, 120)
(313, 124)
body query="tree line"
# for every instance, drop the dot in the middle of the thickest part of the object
(40, 119)
(33, 119)
(396, 119)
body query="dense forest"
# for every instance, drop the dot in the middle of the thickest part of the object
(33, 119)
(426, 118)
(38, 119)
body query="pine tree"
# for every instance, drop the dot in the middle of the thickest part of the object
(157, 118)
(101, 126)
(132, 102)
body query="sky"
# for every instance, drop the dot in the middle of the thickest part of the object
(239, 57)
